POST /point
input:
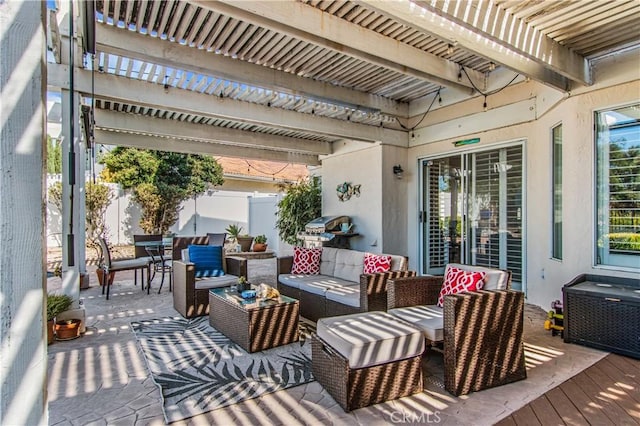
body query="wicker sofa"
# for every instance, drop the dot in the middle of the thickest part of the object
(341, 288)
(191, 294)
(481, 332)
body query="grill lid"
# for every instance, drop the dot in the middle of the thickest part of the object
(325, 224)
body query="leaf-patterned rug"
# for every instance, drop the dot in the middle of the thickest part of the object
(199, 369)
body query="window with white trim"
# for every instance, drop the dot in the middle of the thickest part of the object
(618, 187)
(556, 140)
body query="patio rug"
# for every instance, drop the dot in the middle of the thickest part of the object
(198, 369)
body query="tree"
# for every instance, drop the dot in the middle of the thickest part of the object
(301, 204)
(160, 181)
(98, 196)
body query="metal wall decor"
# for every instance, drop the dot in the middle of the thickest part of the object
(346, 190)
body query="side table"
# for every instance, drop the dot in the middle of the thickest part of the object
(254, 324)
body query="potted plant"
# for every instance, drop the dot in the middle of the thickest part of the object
(244, 240)
(243, 284)
(56, 303)
(260, 243)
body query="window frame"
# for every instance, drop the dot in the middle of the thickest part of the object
(556, 179)
(603, 258)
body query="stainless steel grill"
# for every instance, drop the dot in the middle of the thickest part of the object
(322, 231)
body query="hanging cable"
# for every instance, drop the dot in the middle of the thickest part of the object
(437, 96)
(493, 92)
(251, 166)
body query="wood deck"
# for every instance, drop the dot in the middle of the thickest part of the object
(607, 393)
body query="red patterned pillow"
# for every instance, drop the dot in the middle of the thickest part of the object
(376, 263)
(306, 260)
(458, 280)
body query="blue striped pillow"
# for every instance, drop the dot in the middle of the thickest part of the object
(207, 260)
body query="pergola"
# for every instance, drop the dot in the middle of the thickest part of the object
(290, 81)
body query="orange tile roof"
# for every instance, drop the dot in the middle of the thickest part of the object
(262, 169)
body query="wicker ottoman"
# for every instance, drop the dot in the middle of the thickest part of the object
(367, 358)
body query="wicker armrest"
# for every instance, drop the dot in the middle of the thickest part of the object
(284, 265)
(236, 266)
(412, 291)
(483, 343)
(183, 273)
(373, 289)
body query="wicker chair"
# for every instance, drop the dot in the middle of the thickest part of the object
(190, 297)
(482, 331)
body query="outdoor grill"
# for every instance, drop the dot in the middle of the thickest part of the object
(319, 231)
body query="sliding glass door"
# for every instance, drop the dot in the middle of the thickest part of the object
(471, 211)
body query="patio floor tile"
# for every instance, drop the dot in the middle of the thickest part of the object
(109, 382)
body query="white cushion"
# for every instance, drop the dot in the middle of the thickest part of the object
(428, 319)
(495, 279)
(346, 295)
(349, 265)
(295, 280)
(370, 338)
(328, 260)
(320, 285)
(215, 282)
(398, 263)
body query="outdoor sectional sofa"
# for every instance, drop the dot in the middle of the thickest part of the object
(341, 288)
(191, 294)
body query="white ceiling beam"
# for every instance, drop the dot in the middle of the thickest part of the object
(129, 44)
(135, 92)
(471, 39)
(526, 41)
(314, 26)
(106, 137)
(137, 123)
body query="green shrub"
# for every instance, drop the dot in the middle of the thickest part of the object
(57, 303)
(627, 241)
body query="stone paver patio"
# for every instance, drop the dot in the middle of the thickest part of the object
(101, 378)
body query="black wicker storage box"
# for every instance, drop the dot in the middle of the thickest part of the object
(603, 312)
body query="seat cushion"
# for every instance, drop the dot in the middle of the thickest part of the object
(458, 281)
(495, 279)
(321, 284)
(349, 265)
(347, 295)
(215, 282)
(370, 338)
(428, 318)
(328, 260)
(123, 265)
(306, 260)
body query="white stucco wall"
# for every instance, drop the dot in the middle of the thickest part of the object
(394, 201)
(387, 210)
(545, 276)
(362, 166)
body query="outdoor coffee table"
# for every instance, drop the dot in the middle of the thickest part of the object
(254, 324)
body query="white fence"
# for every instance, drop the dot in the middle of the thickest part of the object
(255, 212)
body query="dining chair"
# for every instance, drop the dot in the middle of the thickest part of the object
(160, 263)
(109, 265)
(217, 239)
(141, 252)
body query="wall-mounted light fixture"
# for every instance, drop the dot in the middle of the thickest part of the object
(398, 172)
